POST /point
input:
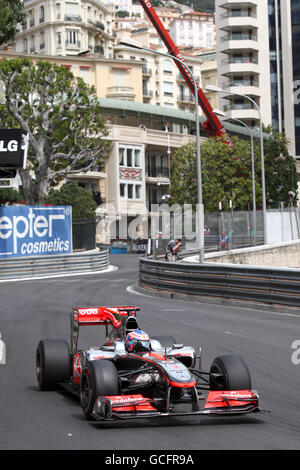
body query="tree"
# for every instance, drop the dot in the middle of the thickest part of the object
(62, 117)
(280, 170)
(11, 14)
(226, 175)
(81, 200)
(122, 14)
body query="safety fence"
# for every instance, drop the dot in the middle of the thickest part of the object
(220, 281)
(36, 266)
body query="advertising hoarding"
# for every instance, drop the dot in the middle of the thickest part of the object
(35, 231)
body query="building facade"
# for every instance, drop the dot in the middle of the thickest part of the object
(194, 29)
(243, 58)
(66, 27)
(162, 83)
(258, 55)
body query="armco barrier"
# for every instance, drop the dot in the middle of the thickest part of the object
(250, 284)
(36, 266)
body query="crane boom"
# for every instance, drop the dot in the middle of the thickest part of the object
(213, 124)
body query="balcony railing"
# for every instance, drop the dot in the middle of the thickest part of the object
(240, 60)
(238, 83)
(239, 37)
(158, 173)
(73, 45)
(148, 93)
(70, 17)
(100, 25)
(238, 106)
(186, 98)
(99, 50)
(239, 14)
(146, 71)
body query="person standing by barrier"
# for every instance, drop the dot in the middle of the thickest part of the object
(224, 242)
(172, 249)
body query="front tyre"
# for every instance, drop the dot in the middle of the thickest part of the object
(229, 372)
(99, 378)
(52, 363)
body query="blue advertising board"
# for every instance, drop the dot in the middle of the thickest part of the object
(35, 231)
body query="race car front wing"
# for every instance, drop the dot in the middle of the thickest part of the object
(138, 406)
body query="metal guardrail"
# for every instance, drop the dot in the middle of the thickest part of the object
(36, 266)
(270, 286)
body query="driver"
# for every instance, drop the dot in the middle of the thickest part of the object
(137, 341)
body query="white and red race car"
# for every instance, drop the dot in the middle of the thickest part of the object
(166, 380)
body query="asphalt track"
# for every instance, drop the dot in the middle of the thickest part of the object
(36, 420)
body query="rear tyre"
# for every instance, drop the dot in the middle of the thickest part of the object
(99, 378)
(232, 373)
(52, 363)
(165, 341)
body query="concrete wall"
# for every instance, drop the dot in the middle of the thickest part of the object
(285, 255)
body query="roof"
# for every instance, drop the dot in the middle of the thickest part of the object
(169, 113)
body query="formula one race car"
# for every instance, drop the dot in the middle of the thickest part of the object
(134, 376)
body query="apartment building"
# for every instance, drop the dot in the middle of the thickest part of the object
(162, 83)
(258, 56)
(66, 27)
(243, 58)
(194, 29)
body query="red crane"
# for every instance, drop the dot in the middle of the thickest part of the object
(212, 125)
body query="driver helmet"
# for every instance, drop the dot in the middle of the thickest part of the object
(137, 341)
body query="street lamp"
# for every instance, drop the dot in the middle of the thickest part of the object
(222, 114)
(229, 92)
(135, 45)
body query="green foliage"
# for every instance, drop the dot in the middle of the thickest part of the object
(280, 170)
(81, 200)
(63, 118)
(10, 196)
(227, 175)
(122, 14)
(11, 13)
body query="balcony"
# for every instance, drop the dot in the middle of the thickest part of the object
(157, 173)
(190, 99)
(241, 83)
(146, 72)
(239, 14)
(99, 50)
(70, 17)
(240, 60)
(121, 92)
(73, 45)
(239, 37)
(100, 25)
(147, 94)
(238, 106)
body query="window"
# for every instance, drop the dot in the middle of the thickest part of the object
(167, 66)
(42, 14)
(42, 40)
(72, 36)
(122, 190)
(58, 12)
(58, 39)
(130, 190)
(168, 88)
(130, 157)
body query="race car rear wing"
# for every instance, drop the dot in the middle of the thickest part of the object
(87, 316)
